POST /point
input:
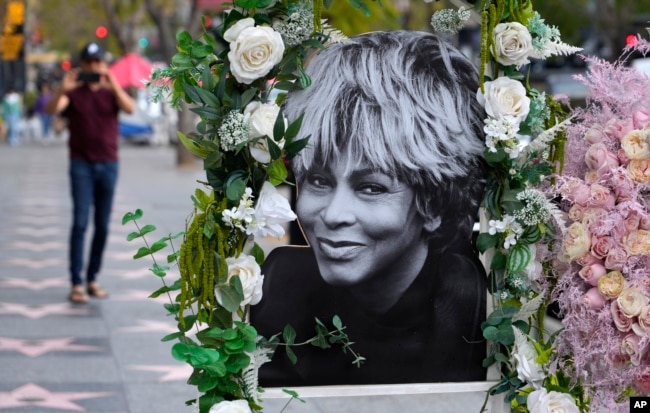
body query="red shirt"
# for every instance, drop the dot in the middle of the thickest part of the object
(93, 124)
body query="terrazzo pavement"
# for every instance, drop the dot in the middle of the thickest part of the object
(106, 356)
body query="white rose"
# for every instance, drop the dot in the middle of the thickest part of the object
(577, 242)
(636, 144)
(250, 275)
(236, 406)
(631, 301)
(271, 211)
(261, 118)
(542, 401)
(505, 97)
(254, 50)
(233, 31)
(524, 355)
(513, 44)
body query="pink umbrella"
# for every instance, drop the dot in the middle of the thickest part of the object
(131, 70)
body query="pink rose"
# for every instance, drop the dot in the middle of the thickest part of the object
(576, 212)
(635, 144)
(630, 348)
(642, 325)
(632, 221)
(622, 157)
(599, 158)
(601, 196)
(638, 242)
(594, 299)
(600, 246)
(618, 128)
(640, 119)
(624, 187)
(592, 273)
(639, 170)
(642, 385)
(622, 322)
(576, 191)
(587, 260)
(617, 258)
(594, 134)
(593, 217)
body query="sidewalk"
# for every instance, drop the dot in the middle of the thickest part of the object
(107, 357)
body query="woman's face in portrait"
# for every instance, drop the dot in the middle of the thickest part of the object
(361, 224)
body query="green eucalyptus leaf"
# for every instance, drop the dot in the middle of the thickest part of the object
(495, 158)
(258, 253)
(157, 246)
(162, 290)
(173, 256)
(289, 334)
(159, 270)
(132, 236)
(132, 216)
(182, 61)
(172, 336)
(235, 185)
(291, 354)
(237, 362)
(502, 313)
(142, 252)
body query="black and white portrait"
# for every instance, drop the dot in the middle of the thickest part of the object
(388, 192)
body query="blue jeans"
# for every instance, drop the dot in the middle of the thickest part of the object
(91, 183)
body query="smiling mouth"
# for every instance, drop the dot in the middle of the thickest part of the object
(339, 251)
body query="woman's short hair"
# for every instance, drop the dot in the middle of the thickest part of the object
(405, 103)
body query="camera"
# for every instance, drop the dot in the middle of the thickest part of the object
(88, 77)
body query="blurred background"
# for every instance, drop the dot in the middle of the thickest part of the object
(41, 39)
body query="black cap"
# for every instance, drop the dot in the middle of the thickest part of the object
(92, 51)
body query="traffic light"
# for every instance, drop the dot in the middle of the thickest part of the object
(101, 32)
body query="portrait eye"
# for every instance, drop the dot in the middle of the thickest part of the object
(318, 181)
(372, 188)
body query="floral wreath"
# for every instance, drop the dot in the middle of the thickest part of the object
(537, 225)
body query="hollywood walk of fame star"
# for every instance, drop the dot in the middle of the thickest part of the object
(37, 246)
(33, 395)
(34, 285)
(149, 326)
(36, 348)
(35, 263)
(172, 372)
(39, 311)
